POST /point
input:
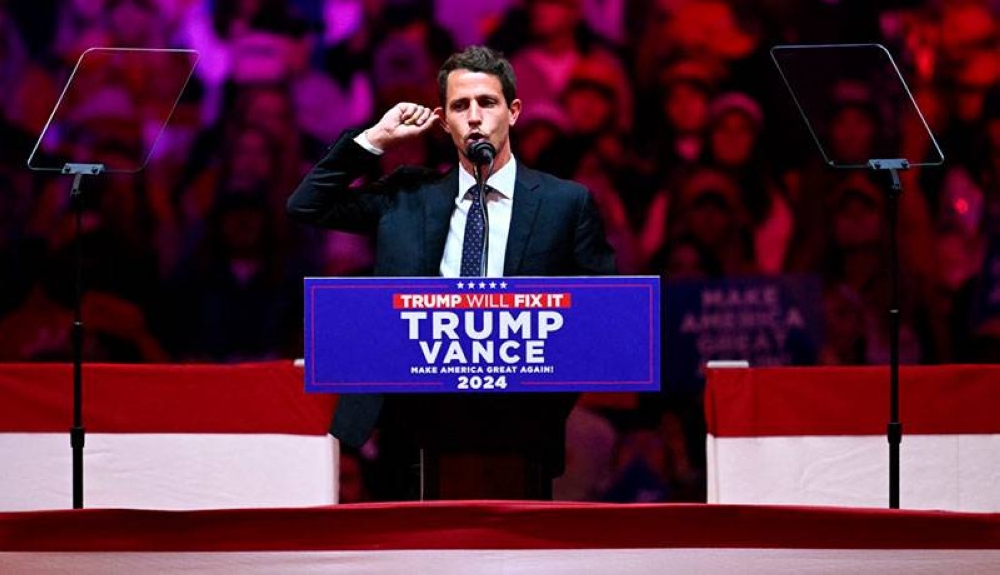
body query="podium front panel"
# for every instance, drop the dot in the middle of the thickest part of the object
(482, 335)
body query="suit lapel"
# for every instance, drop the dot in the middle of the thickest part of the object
(522, 218)
(437, 219)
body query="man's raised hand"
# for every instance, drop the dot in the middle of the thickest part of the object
(402, 121)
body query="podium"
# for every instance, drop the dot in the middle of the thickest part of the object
(497, 447)
(478, 374)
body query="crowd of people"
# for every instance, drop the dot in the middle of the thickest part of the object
(670, 111)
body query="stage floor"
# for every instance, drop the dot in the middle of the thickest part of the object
(501, 537)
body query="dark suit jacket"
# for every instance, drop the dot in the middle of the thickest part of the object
(555, 229)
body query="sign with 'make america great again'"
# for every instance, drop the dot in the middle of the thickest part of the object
(482, 335)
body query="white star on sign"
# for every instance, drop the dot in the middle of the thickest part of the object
(503, 285)
(493, 285)
(482, 285)
(460, 285)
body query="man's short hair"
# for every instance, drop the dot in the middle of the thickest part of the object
(479, 59)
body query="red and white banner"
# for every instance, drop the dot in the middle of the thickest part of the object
(816, 436)
(166, 437)
(493, 537)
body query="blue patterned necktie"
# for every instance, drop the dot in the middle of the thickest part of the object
(475, 236)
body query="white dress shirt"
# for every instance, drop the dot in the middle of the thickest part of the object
(499, 204)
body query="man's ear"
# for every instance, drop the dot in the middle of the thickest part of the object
(439, 114)
(515, 111)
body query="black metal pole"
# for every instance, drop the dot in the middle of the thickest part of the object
(894, 430)
(77, 433)
(481, 190)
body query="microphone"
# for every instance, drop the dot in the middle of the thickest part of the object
(481, 152)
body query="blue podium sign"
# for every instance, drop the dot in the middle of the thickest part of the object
(482, 335)
(766, 320)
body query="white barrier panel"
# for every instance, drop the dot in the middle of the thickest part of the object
(816, 436)
(167, 437)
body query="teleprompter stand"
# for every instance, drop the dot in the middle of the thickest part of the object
(149, 84)
(821, 79)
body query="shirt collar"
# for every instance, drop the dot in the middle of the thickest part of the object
(502, 180)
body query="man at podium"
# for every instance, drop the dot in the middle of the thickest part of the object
(426, 224)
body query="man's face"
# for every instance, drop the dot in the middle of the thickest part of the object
(475, 109)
